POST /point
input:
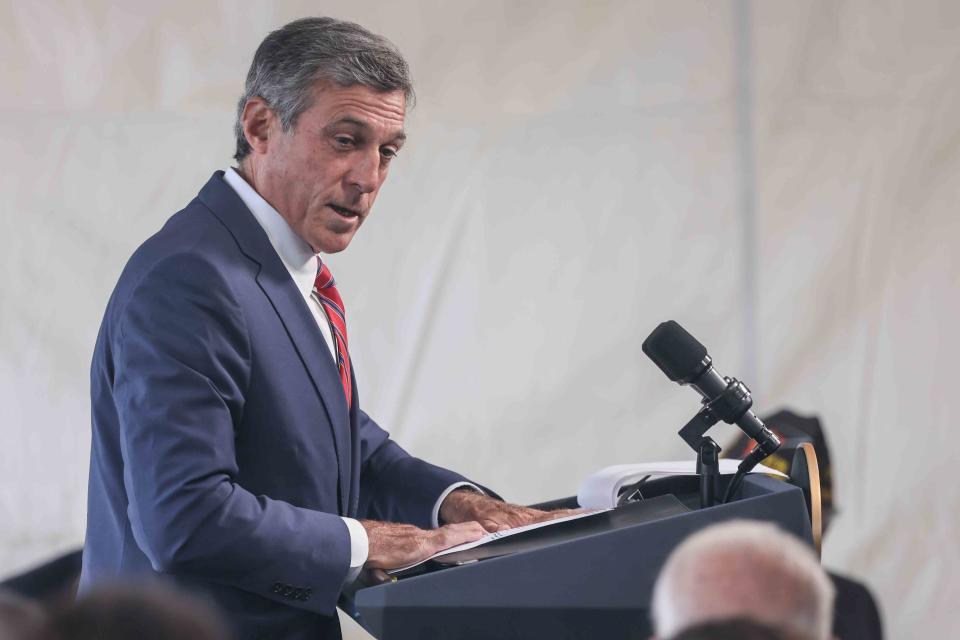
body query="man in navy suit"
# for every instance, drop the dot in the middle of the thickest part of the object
(230, 453)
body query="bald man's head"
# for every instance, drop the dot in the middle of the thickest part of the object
(743, 569)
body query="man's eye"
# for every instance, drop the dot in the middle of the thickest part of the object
(389, 153)
(343, 141)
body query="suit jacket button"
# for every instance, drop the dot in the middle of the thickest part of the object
(287, 591)
(277, 588)
(306, 594)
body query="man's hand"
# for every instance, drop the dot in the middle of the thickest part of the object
(464, 505)
(395, 545)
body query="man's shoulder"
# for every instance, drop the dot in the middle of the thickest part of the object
(194, 231)
(207, 227)
(197, 242)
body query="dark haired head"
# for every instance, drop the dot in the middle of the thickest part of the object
(291, 61)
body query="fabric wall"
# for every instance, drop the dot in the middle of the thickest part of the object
(776, 176)
(858, 150)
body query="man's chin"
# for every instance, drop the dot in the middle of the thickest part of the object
(332, 242)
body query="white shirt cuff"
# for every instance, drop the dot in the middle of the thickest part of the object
(435, 520)
(359, 548)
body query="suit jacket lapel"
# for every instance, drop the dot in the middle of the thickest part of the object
(290, 306)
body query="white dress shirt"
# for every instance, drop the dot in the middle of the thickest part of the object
(301, 262)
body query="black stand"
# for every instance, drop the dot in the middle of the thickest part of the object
(708, 468)
(708, 453)
(729, 406)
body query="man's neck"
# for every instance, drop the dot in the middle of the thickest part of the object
(248, 173)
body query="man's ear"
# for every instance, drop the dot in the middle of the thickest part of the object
(259, 123)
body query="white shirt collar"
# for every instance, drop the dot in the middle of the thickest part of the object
(297, 256)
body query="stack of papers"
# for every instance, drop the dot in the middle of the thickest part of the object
(601, 490)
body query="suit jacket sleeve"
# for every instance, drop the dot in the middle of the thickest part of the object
(395, 486)
(182, 361)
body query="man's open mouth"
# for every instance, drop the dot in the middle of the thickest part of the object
(345, 212)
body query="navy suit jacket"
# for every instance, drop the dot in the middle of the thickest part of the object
(223, 451)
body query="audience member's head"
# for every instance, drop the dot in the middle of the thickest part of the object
(743, 569)
(735, 629)
(142, 613)
(20, 618)
(52, 583)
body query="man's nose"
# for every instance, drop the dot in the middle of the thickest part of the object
(365, 173)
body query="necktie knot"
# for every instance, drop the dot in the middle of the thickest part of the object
(324, 277)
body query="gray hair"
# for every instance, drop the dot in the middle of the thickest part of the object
(291, 60)
(743, 569)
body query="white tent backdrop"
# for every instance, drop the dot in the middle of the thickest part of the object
(780, 177)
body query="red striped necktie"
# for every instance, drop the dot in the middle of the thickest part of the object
(326, 289)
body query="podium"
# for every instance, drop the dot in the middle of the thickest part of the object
(595, 585)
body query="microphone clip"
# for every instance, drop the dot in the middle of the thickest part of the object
(729, 406)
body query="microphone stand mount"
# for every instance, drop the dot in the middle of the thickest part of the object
(729, 406)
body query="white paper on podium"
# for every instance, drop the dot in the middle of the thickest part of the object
(601, 489)
(498, 535)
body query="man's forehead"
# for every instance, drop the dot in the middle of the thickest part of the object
(395, 133)
(363, 107)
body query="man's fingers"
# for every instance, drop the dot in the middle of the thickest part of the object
(453, 534)
(501, 516)
(464, 532)
(524, 515)
(490, 525)
(373, 577)
(563, 513)
(493, 526)
(495, 515)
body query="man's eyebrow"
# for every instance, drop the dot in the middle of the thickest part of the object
(360, 124)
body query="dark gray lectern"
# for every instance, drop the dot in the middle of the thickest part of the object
(581, 584)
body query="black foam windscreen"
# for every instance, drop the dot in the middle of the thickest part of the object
(676, 352)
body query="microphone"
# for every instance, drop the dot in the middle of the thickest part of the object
(685, 361)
